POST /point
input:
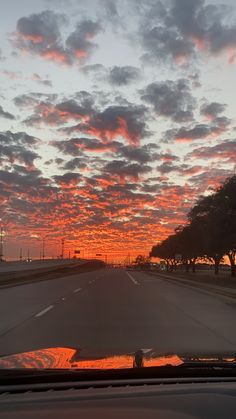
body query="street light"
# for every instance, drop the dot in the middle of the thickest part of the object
(43, 247)
(2, 234)
(62, 247)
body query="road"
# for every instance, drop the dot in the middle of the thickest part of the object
(115, 311)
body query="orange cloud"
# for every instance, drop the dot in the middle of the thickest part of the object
(55, 55)
(79, 53)
(36, 39)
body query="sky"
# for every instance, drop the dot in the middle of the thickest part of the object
(115, 117)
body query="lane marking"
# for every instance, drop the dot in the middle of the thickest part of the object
(77, 290)
(133, 279)
(41, 313)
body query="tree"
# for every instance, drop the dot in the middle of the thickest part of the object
(167, 250)
(142, 261)
(227, 197)
(211, 232)
(217, 215)
(190, 244)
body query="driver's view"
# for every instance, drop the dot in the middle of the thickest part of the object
(118, 209)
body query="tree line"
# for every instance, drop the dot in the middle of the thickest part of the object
(209, 234)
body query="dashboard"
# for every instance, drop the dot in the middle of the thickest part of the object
(165, 401)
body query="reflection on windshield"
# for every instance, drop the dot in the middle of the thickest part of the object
(65, 358)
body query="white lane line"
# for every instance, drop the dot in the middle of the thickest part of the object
(41, 313)
(77, 290)
(132, 279)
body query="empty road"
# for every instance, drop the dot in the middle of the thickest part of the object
(115, 311)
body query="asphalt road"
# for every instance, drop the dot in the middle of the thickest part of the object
(115, 311)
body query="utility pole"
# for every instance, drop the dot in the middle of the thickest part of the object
(21, 254)
(43, 248)
(28, 255)
(62, 247)
(1, 244)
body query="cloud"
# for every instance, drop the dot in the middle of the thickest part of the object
(142, 155)
(18, 147)
(172, 99)
(19, 179)
(58, 114)
(5, 114)
(121, 76)
(2, 58)
(31, 100)
(168, 157)
(40, 80)
(209, 179)
(92, 69)
(40, 34)
(12, 75)
(110, 13)
(225, 151)
(76, 163)
(68, 179)
(184, 170)
(116, 75)
(200, 131)
(167, 167)
(162, 43)
(181, 29)
(80, 42)
(124, 169)
(212, 110)
(128, 122)
(119, 121)
(76, 146)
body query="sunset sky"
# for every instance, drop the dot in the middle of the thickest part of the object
(115, 116)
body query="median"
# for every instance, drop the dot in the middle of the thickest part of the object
(11, 279)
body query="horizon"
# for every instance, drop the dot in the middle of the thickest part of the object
(116, 116)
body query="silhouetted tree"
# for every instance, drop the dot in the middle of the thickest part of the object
(211, 232)
(217, 215)
(142, 261)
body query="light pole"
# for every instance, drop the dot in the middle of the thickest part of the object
(62, 247)
(1, 244)
(43, 247)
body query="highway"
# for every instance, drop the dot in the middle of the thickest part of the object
(115, 311)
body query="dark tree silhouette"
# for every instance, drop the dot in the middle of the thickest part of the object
(210, 233)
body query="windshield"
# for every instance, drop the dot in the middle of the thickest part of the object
(117, 183)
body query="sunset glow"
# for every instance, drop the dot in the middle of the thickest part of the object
(113, 123)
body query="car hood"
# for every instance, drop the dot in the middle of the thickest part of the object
(74, 358)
